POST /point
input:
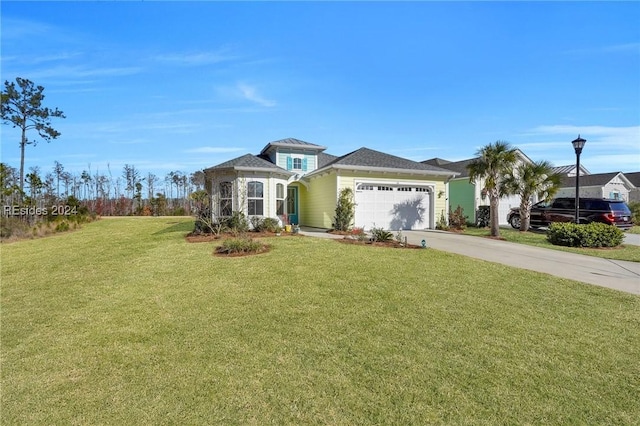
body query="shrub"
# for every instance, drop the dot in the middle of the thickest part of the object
(635, 212)
(593, 235)
(345, 210)
(13, 227)
(62, 226)
(236, 223)
(379, 234)
(240, 245)
(359, 234)
(457, 219)
(256, 223)
(442, 222)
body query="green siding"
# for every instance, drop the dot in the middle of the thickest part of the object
(462, 193)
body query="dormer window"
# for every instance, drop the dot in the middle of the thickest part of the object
(298, 163)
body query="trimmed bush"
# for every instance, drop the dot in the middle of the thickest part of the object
(593, 235)
(240, 245)
(345, 210)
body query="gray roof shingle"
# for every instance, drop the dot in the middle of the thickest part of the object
(634, 178)
(365, 157)
(599, 179)
(248, 161)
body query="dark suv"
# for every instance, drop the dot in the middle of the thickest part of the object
(611, 212)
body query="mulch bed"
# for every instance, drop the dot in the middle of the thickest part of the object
(388, 244)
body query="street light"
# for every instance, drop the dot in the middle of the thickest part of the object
(578, 144)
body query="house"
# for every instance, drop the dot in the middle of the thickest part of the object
(297, 182)
(613, 185)
(470, 196)
(634, 193)
(570, 170)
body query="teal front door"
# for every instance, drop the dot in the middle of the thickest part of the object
(292, 205)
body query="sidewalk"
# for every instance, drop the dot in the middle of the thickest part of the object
(614, 274)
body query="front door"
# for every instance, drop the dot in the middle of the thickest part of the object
(292, 205)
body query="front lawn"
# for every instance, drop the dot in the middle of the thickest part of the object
(124, 322)
(539, 238)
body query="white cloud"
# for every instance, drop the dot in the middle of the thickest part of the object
(250, 93)
(213, 150)
(197, 58)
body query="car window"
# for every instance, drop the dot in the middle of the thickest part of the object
(541, 204)
(564, 203)
(620, 208)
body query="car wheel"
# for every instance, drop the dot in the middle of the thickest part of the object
(515, 222)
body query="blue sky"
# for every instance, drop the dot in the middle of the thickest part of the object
(186, 85)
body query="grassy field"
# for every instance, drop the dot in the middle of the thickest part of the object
(124, 322)
(627, 252)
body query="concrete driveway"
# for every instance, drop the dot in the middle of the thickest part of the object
(614, 274)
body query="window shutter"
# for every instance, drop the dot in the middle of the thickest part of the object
(304, 164)
(289, 163)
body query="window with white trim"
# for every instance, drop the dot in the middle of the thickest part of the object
(422, 189)
(226, 198)
(255, 198)
(279, 199)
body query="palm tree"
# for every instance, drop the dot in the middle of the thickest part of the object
(529, 179)
(494, 162)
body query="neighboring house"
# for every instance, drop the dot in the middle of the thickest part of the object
(570, 170)
(470, 196)
(634, 193)
(297, 182)
(613, 185)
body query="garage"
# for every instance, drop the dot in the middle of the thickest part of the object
(506, 203)
(392, 207)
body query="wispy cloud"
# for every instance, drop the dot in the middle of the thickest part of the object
(632, 47)
(607, 149)
(84, 72)
(250, 93)
(197, 58)
(212, 150)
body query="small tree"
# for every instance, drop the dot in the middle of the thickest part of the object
(345, 210)
(494, 162)
(529, 179)
(22, 108)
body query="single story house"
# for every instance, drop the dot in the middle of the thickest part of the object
(296, 182)
(599, 185)
(470, 196)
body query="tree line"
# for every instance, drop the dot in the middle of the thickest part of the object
(103, 193)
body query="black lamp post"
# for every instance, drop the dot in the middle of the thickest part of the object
(578, 144)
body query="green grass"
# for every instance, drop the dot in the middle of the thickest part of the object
(123, 322)
(627, 252)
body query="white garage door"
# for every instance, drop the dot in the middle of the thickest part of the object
(506, 203)
(391, 207)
